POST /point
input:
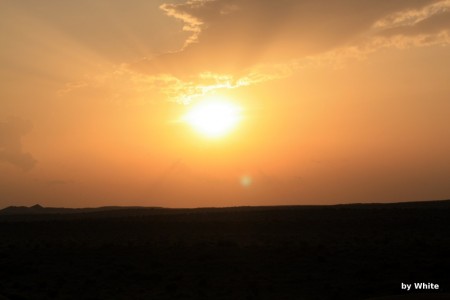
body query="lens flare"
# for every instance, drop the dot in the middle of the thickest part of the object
(246, 181)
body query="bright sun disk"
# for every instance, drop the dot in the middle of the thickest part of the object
(213, 118)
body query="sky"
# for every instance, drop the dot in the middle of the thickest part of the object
(335, 101)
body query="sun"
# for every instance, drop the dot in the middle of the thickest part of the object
(214, 117)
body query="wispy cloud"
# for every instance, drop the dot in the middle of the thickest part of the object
(236, 43)
(411, 17)
(191, 23)
(124, 83)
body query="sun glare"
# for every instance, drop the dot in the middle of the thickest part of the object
(213, 117)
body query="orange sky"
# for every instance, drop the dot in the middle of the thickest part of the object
(340, 101)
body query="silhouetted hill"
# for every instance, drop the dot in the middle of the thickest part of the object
(18, 210)
(40, 210)
(118, 211)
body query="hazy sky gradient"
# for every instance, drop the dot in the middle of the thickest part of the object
(343, 101)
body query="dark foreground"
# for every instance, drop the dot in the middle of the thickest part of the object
(331, 252)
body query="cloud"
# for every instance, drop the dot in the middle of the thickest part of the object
(232, 35)
(235, 43)
(429, 26)
(125, 84)
(11, 132)
(413, 16)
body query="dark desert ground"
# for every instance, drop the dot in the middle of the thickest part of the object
(356, 251)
